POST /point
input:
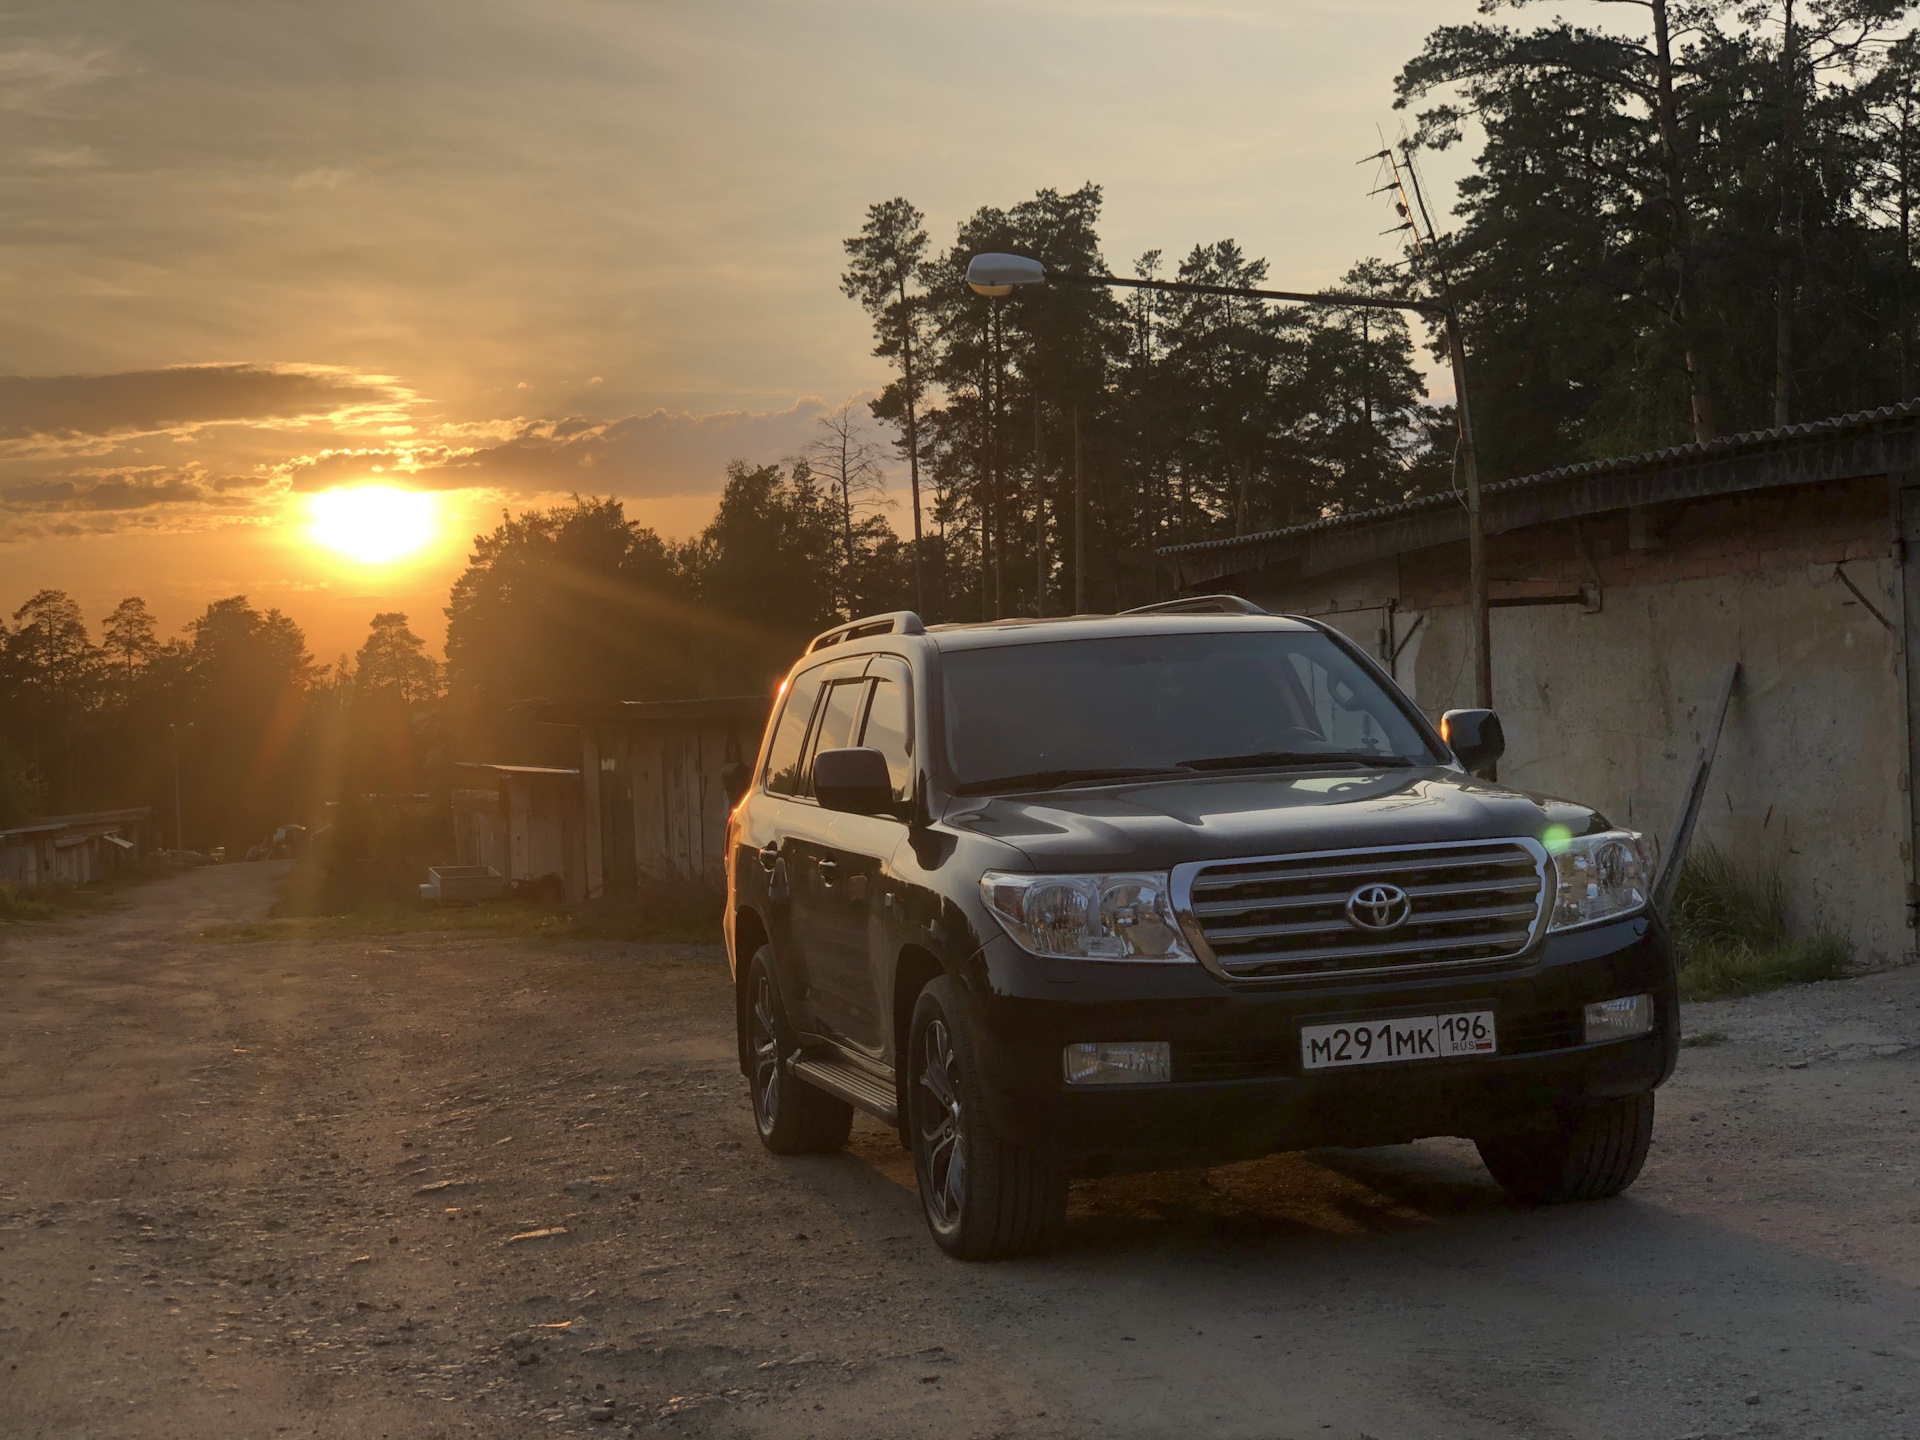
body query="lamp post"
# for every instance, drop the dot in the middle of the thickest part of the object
(996, 275)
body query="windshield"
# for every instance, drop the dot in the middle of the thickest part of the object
(1145, 704)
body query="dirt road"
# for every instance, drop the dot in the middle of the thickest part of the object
(456, 1186)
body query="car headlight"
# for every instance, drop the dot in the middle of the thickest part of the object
(1087, 917)
(1600, 876)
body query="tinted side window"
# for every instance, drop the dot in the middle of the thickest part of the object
(889, 727)
(789, 740)
(839, 713)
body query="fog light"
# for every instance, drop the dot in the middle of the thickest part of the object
(1119, 1062)
(1620, 1019)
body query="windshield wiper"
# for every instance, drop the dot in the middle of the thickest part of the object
(1275, 758)
(1053, 779)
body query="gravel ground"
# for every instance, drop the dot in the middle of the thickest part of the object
(449, 1186)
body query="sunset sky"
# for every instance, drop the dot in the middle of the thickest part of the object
(500, 252)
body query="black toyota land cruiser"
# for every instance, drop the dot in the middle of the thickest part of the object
(1061, 897)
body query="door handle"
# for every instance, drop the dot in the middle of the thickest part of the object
(770, 856)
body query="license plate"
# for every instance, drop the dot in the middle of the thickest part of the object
(1406, 1037)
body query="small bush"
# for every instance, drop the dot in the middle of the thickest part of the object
(18, 904)
(1730, 926)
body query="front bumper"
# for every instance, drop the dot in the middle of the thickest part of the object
(1238, 1087)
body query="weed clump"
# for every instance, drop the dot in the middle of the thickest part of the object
(1730, 927)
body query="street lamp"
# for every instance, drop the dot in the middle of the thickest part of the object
(997, 275)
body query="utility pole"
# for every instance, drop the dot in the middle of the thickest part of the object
(1783, 271)
(999, 468)
(1039, 515)
(1079, 524)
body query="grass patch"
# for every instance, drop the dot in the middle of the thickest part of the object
(63, 901)
(669, 908)
(1730, 926)
(1703, 1039)
(504, 917)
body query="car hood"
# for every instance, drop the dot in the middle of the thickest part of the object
(1152, 825)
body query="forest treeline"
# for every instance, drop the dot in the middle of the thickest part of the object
(570, 602)
(1693, 226)
(1695, 230)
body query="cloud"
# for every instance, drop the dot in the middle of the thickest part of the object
(184, 397)
(647, 456)
(397, 464)
(657, 454)
(248, 477)
(133, 488)
(34, 71)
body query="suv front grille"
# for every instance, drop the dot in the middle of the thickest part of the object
(1473, 905)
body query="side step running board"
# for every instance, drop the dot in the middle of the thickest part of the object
(847, 1081)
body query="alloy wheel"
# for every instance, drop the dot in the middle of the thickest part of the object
(766, 1058)
(943, 1138)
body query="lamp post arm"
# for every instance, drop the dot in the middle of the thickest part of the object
(1336, 298)
(997, 275)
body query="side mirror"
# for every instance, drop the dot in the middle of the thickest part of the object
(737, 779)
(1475, 737)
(856, 781)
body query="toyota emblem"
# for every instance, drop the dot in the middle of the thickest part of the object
(1378, 907)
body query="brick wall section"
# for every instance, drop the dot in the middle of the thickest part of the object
(1691, 540)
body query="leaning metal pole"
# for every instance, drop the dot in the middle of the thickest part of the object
(1476, 526)
(1469, 461)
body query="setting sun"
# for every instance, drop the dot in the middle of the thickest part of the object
(373, 524)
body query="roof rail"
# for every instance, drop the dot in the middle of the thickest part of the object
(894, 622)
(1201, 605)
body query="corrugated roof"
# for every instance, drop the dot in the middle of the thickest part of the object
(72, 822)
(1672, 455)
(604, 712)
(512, 769)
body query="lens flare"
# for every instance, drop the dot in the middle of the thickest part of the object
(374, 524)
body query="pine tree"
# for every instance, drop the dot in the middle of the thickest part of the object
(888, 258)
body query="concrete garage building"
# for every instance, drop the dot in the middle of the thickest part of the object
(654, 799)
(1620, 592)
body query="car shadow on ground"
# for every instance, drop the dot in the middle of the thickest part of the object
(1311, 1193)
(1390, 1190)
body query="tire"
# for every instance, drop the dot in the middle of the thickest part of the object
(792, 1117)
(1593, 1155)
(984, 1198)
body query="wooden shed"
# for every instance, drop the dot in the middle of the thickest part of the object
(655, 801)
(527, 824)
(70, 849)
